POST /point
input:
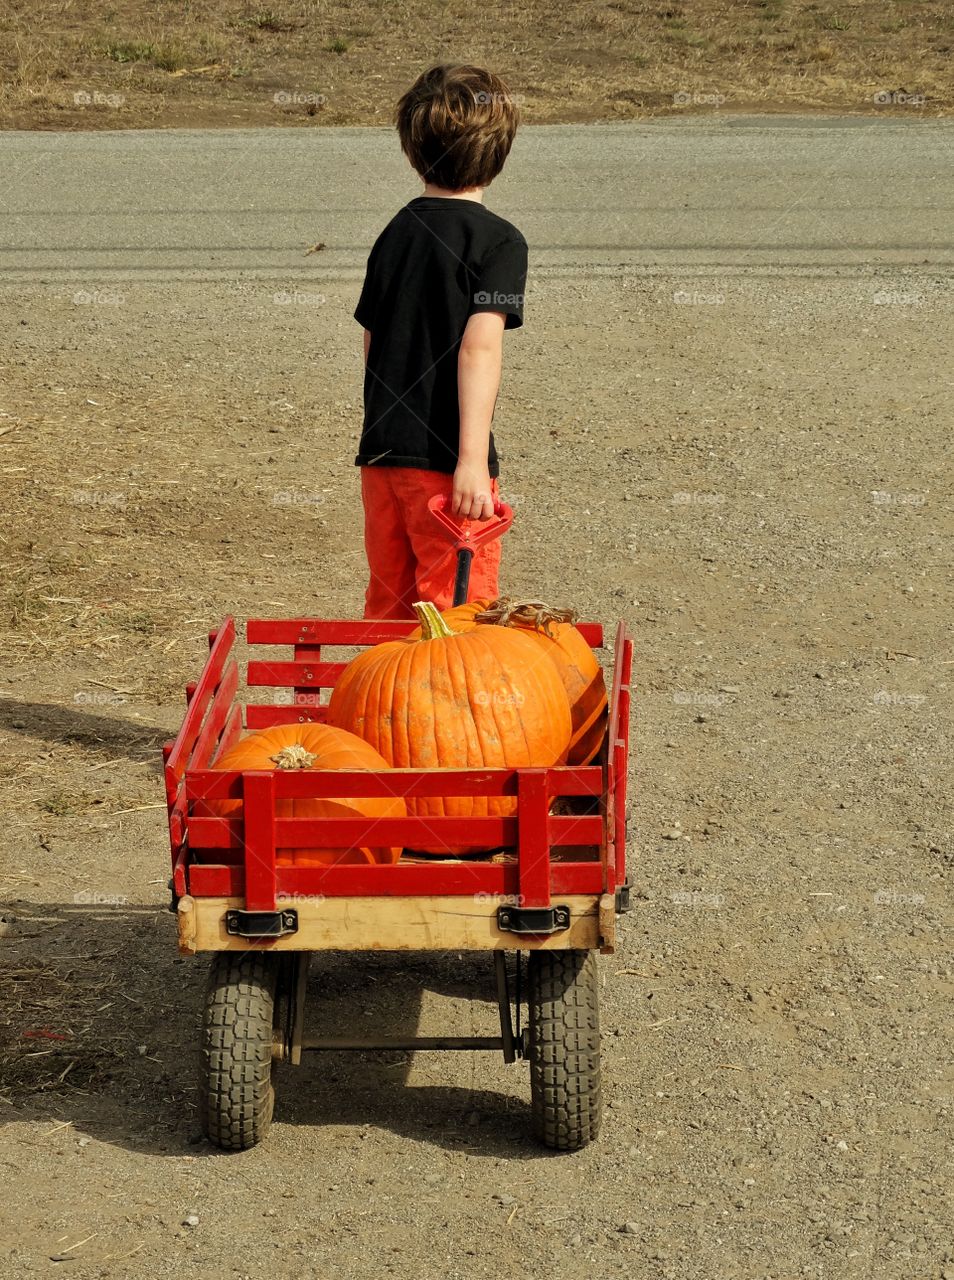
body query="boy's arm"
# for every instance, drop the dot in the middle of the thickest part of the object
(478, 381)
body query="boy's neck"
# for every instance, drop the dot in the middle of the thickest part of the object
(472, 193)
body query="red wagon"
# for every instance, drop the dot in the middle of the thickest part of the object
(542, 900)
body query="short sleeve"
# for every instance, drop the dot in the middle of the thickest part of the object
(364, 311)
(502, 281)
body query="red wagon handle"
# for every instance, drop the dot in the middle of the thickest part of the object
(471, 533)
(468, 535)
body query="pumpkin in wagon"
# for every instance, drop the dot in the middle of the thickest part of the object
(313, 746)
(443, 699)
(576, 662)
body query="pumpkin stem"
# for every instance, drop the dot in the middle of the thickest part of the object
(505, 612)
(294, 756)
(433, 626)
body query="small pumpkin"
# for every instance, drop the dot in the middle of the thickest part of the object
(313, 746)
(576, 662)
(460, 700)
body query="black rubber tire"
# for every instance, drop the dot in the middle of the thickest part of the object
(236, 1097)
(563, 1016)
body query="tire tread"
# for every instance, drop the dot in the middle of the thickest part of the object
(235, 1085)
(564, 1021)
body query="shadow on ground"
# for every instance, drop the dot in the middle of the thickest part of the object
(102, 1019)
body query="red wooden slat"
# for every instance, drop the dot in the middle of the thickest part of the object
(215, 721)
(612, 720)
(572, 829)
(198, 704)
(177, 825)
(324, 631)
(566, 780)
(533, 850)
(259, 841)
(347, 833)
(307, 653)
(299, 675)
(259, 716)
(621, 733)
(619, 648)
(230, 734)
(402, 880)
(179, 881)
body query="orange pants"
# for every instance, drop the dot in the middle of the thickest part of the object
(410, 557)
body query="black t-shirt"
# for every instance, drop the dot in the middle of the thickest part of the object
(437, 261)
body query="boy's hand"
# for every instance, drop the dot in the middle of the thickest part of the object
(472, 498)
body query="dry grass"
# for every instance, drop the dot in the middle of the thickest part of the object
(135, 63)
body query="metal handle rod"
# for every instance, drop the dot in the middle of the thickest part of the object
(462, 580)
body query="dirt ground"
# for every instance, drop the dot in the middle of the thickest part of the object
(120, 64)
(751, 467)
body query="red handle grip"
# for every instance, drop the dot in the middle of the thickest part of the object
(471, 534)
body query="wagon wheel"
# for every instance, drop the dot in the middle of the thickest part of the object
(235, 1084)
(564, 1047)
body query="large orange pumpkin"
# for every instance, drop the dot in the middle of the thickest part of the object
(483, 698)
(313, 746)
(576, 662)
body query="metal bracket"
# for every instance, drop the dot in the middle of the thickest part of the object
(623, 899)
(503, 1004)
(261, 924)
(533, 919)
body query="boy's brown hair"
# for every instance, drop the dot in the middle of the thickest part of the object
(456, 124)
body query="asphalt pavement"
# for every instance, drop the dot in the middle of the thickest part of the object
(772, 191)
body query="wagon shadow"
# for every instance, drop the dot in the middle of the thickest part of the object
(102, 1022)
(384, 994)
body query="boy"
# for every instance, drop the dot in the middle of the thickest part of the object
(444, 279)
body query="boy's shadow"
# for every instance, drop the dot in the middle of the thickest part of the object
(103, 1024)
(53, 723)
